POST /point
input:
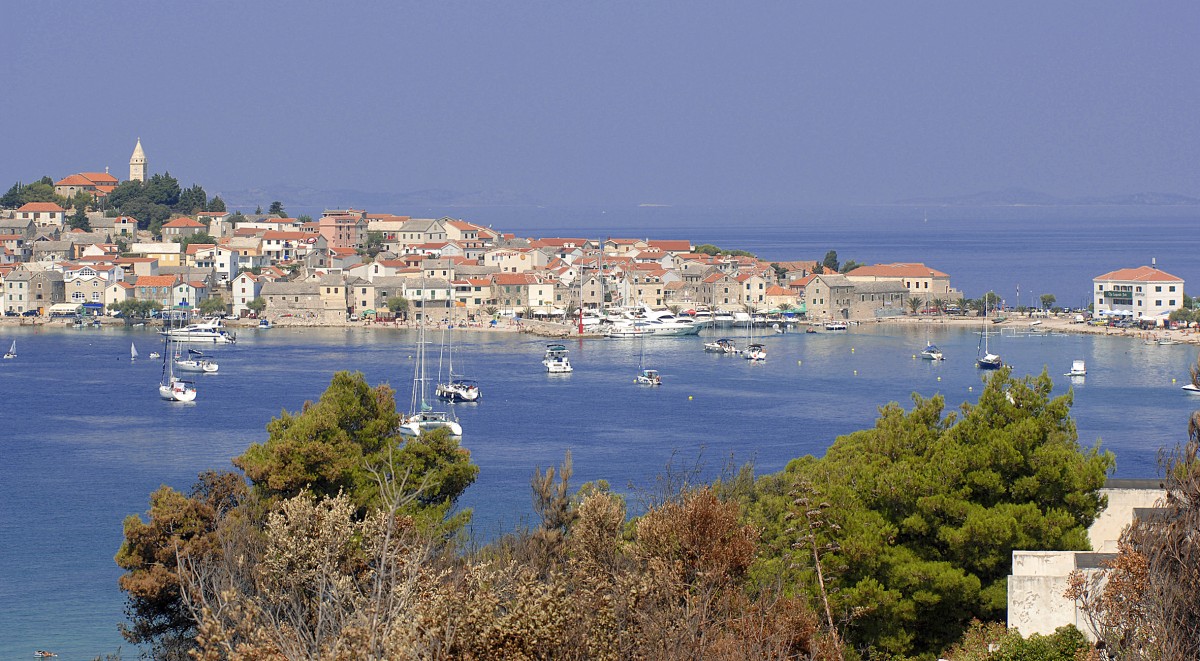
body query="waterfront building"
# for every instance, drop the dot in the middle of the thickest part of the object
(515, 260)
(516, 292)
(753, 290)
(1142, 292)
(157, 288)
(295, 299)
(243, 289)
(921, 281)
(723, 291)
(137, 163)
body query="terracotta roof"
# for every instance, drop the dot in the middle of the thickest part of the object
(898, 270)
(101, 178)
(286, 236)
(41, 206)
(184, 221)
(776, 290)
(671, 245)
(193, 248)
(516, 279)
(75, 180)
(1140, 274)
(157, 281)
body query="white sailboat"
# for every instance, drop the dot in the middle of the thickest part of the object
(1193, 386)
(454, 388)
(172, 388)
(133, 354)
(646, 377)
(195, 361)
(755, 352)
(988, 360)
(421, 416)
(12, 351)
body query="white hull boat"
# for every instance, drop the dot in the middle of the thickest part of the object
(555, 360)
(12, 351)
(931, 352)
(211, 332)
(426, 421)
(1078, 368)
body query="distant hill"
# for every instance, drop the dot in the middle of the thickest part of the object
(304, 197)
(1023, 197)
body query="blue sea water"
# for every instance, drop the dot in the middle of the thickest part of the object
(84, 438)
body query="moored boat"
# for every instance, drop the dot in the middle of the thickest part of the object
(555, 360)
(207, 331)
(195, 361)
(1078, 368)
(931, 352)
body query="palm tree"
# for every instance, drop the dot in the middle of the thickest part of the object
(914, 304)
(491, 310)
(940, 304)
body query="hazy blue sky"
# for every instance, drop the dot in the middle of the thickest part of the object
(613, 102)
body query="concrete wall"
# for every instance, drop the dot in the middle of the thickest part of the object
(1039, 578)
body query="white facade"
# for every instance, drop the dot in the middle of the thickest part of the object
(1139, 292)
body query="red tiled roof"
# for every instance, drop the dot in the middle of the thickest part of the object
(75, 180)
(101, 178)
(183, 221)
(41, 206)
(157, 281)
(1140, 274)
(898, 270)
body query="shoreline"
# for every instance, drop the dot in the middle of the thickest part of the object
(558, 330)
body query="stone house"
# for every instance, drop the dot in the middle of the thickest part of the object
(42, 214)
(300, 300)
(180, 228)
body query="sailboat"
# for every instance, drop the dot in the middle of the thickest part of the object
(455, 388)
(12, 351)
(133, 354)
(196, 361)
(931, 352)
(755, 352)
(172, 388)
(421, 416)
(646, 377)
(989, 360)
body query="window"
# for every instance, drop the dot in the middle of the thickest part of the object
(1171, 288)
(1157, 288)
(1158, 302)
(1171, 302)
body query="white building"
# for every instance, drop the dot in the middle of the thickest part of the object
(1139, 292)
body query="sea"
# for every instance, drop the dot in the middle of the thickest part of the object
(84, 438)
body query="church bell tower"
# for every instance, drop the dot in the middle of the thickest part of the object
(137, 163)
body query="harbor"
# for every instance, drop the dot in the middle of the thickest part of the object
(91, 453)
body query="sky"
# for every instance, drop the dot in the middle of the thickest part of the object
(615, 102)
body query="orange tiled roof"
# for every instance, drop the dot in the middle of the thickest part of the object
(184, 221)
(41, 206)
(898, 270)
(157, 281)
(1140, 274)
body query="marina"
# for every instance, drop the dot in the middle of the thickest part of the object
(75, 467)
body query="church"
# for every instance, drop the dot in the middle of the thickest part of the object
(137, 163)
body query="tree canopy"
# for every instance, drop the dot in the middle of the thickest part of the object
(925, 510)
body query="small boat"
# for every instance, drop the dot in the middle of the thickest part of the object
(835, 326)
(421, 417)
(154, 355)
(264, 324)
(931, 352)
(723, 345)
(1194, 386)
(556, 360)
(133, 354)
(1078, 368)
(43, 654)
(988, 360)
(12, 351)
(648, 378)
(196, 361)
(454, 388)
(756, 353)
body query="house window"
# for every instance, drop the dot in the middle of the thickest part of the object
(1171, 302)
(1171, 288)
(1158, 303)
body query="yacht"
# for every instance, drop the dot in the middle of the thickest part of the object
(206, 331)
(1078, 368)
(195, 361)
(556, 360)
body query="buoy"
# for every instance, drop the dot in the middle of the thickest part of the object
(855, 372)
(689, 398)
(970, 388)
(799, 362)
(1172, 379)
(914, 356)
(939, 378)
(851, 349)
